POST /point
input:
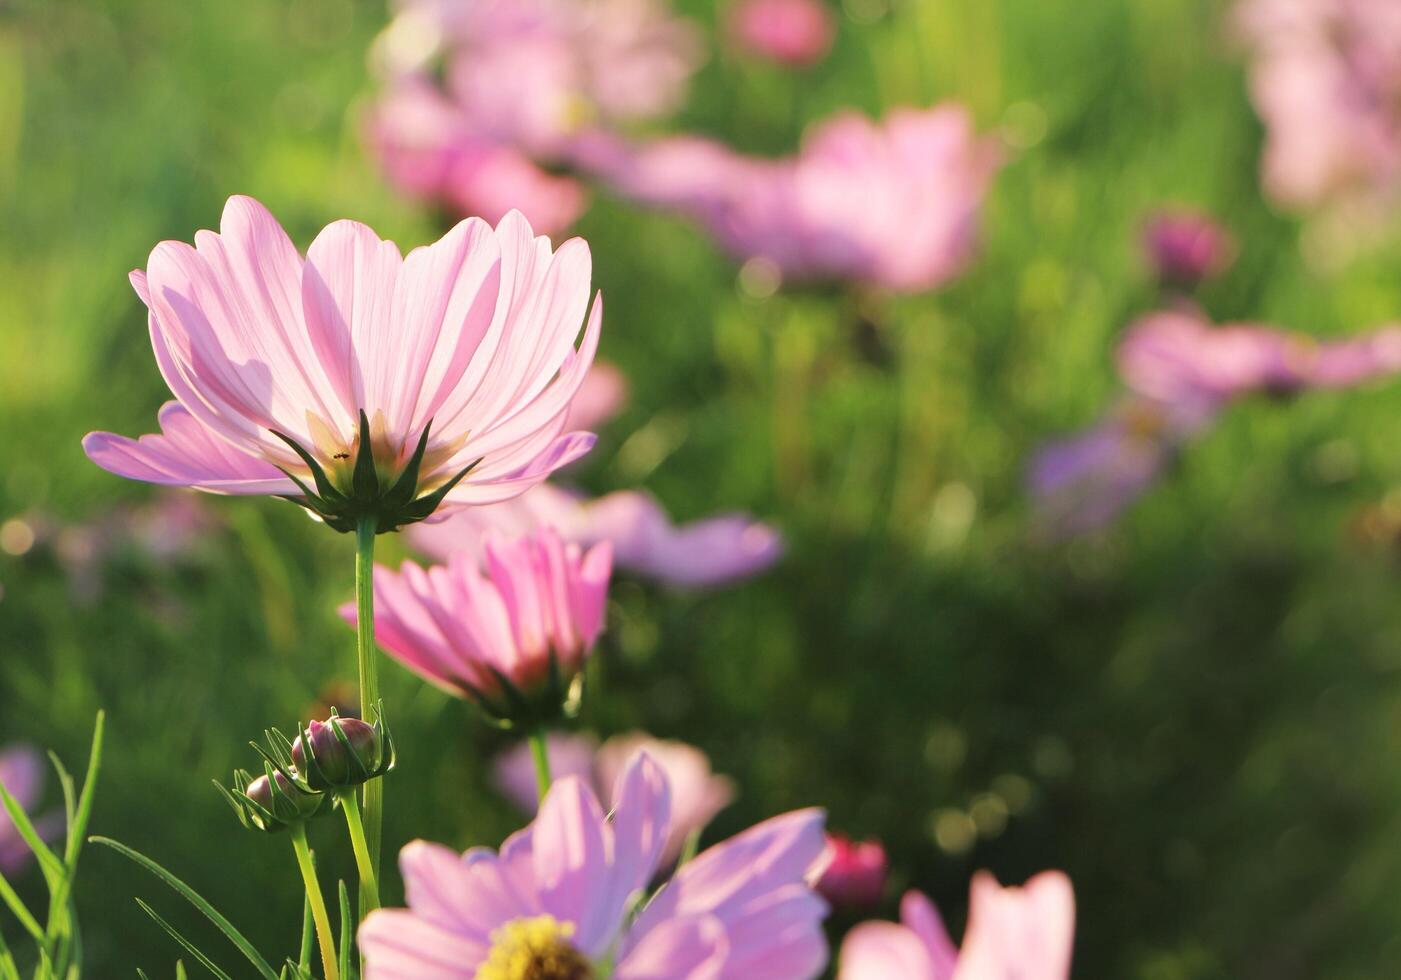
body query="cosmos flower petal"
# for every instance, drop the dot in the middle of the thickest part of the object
(399, 945)
(692, 948)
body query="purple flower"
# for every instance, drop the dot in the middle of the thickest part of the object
(1022, 933)
(697, 794)
(707, 552)
(1185, 247)
(560, 896)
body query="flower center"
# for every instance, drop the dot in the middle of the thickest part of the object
(534, 949)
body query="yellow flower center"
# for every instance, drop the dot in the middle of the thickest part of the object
(534, 949)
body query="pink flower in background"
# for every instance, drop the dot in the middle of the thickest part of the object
(560, 892)
(22, 775)
(1184, 248)
(474, 334)
(602, 396)
(791, 32)
(1022, 933)
(1181, 372)
(529, 621)
(892, 204)
(697, 794)
(1326, 81)
(535, 73)
(855, 877)
(429, 150)
(703, 553)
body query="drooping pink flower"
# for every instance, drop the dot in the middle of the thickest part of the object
(1186, 247)
(561, 893)
(891, 204)
(473, 334)
(520, 630)
(791, 32)
(429, 149)
(1326, 81)
(708, 552)
(855, 877)
(697, 794)
(22, 775)
(1024, 933)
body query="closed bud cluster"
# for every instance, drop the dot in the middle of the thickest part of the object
(339, 753)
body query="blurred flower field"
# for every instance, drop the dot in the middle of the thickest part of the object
(1184, 690)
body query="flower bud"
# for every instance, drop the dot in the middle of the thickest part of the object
(1184, 248)
(273, 802)
(338, 753)
(855, 878)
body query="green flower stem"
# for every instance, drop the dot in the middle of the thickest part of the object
(539, 749)
(369, 886)
(369, 681)
(324, 936)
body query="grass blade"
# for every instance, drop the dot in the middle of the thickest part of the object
(198, 901)
(347, 931)
(188, 946)
(308, 937)
(17, 906)
(48, 861)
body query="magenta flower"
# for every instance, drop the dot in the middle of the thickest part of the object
(790, 32)
(1013, 934)
(447, 373)
(891, 204)
(856, 874)
(513, 639)
(22, 775)
(428, 149)
(1326, 81)
(1184, 248)
(697, 794)
(558, 899)
(708, 552)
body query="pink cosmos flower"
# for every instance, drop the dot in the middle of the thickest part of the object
(697, 794)
(473, 334)
(560, 896)
(1326, 81)
(1184, 247)
(791, 32)
(708, 552)
(891, 204)
(429, 149)
(534, 73)
(22, 775)
(520, 630)
(855, 877)
(1022, 933)
(1181, 373)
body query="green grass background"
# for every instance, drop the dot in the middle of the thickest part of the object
(1195, 715)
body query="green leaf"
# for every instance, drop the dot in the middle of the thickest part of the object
(8, 969)
(189, 947)
(17, 906)
(198, 901)
(347, 930)
(65, 780)
(48, 861)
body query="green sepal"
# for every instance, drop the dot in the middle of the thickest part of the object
(364, 481)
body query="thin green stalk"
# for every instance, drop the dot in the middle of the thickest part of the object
(369, 886)
(369, 680)
(324, 936)
(539, 748)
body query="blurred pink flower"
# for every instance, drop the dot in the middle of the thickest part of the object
(602, 396)
(563, 888)
(1181, 372)
(708, 552)
(892, 204)
(531, 620)
(429, 150)
(791, 32)
(1185, 247)
(1326, 80)
(855, 878)
(535, 73)
(1025, 933)
(22, 775)
(474, 334)
(697, 794)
